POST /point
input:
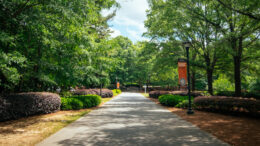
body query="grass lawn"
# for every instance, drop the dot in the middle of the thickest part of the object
(31, 130)
(235, 130)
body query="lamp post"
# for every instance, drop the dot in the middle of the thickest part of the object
(187, 45)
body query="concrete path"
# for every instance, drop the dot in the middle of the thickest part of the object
(131, 119)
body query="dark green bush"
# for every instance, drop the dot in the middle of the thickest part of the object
(65, 104)
(168, 100)
(172, 100)
(75, 103)
(228, 105)
(71, 104)
(89, 100)
(79, 102)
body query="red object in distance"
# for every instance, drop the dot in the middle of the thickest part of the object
(182, 70)
(117, 85)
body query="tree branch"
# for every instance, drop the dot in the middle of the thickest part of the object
(239, 11)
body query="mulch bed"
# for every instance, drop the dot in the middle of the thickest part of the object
(238, 131)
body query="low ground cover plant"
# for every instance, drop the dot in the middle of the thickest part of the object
(19, 105)
(80, 102)
(173, 100)
(229, 105)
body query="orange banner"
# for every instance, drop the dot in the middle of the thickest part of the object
(182, 70)
(117, 85)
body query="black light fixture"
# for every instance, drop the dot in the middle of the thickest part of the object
(187, 45)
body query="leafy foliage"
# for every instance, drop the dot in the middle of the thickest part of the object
(185, 104)
(223, 84)
(172, 100)
(223, 34)
(116, 92)
(49, 44)
(80, 102)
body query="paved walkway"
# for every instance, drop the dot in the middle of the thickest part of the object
(131, 119)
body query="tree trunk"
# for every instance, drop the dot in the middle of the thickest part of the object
(237, 65)
(193, 80)
(210, 80)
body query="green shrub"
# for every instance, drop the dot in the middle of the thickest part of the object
(254, 85)
(95, 99)
(68, 103)
(79, 102)
(75, 103)
(223, 84)
(90, 100)
(167, 100)
(116, 92)
(65, 105)
(185, 104)
(172, 100)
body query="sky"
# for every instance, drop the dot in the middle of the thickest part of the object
(129, 19)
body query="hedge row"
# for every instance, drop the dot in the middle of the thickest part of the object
(105, 92)
(230, 105)
(15, 106)
(80, 102)
(243, 94)
(173, 100)
(156, 94)
(4, 110)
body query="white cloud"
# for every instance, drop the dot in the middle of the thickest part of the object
(130, 18)
(133, 34)
(115, 32)
(132, 13)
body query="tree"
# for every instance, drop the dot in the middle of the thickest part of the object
(211, 27)
(51, 43)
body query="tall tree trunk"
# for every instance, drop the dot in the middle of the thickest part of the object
(210, 80)
(237, 65)
(193, 80)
